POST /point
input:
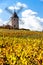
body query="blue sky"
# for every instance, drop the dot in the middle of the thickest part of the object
(32, 6)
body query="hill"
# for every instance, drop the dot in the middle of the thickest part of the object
(20, 33)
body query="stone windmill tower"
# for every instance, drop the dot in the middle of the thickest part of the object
(15, 18)
(15, 21)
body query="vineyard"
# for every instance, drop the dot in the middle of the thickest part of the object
(21, 47)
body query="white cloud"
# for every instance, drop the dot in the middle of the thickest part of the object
(31, 21)
(21, 4)
(11, 7)
(14, 7)
(40, 19)
(17, 6)
(28, 13)
(1, 10)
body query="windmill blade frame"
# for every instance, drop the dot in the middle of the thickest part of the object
(8, 10)
(19, 9)
(21, 21)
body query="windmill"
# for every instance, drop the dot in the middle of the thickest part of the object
(14, 18)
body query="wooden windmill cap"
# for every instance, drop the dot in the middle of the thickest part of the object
(15, 15)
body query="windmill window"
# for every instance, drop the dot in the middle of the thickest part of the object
(14, 19)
